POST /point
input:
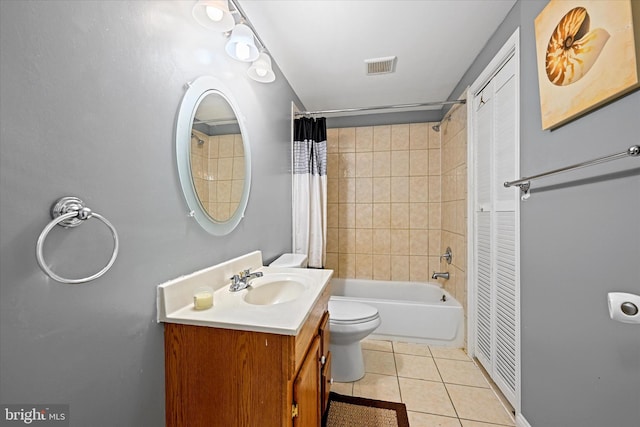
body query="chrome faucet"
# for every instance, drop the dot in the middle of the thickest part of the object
(240, 281)
(444, 276)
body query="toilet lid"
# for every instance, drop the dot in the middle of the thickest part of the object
(350, 312)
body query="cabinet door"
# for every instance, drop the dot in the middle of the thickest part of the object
(326, 382)
(306, 389)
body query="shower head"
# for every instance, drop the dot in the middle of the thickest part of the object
(436, 127)
(200, 142)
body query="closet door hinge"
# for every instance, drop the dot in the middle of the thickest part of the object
(294, 410)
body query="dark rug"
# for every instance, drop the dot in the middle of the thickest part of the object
(351, 411)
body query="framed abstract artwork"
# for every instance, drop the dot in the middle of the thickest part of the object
(587, 55)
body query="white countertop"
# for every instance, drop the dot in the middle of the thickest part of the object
(230, 310)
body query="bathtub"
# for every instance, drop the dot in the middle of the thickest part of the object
(410, 311)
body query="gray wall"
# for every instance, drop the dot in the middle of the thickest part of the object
(580, 239)
(89, 99)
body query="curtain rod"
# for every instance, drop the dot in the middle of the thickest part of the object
(384, 107)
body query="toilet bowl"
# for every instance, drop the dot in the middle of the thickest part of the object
(349, 322)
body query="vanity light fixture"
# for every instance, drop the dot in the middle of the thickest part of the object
(244, 44)
(214, 14)
(261, 70)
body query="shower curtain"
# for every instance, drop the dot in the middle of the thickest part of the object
(310, 189)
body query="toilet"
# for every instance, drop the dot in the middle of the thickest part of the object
(349, 322)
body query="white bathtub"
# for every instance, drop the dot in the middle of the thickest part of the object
(410, 311)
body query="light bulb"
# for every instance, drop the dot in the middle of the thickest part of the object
(242, 51)
(261, 71)
(214, 13)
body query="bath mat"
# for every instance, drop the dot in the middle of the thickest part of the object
(351, 411)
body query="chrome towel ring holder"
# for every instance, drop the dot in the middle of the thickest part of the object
(69, 212)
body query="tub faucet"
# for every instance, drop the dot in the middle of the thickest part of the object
(444, 276)
(241, 281)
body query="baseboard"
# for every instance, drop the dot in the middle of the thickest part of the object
(521, 421)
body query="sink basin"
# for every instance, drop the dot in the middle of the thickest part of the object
(275, 289)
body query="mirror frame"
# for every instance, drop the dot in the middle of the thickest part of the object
(196, 91)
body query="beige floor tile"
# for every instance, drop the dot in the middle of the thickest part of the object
(426, 396)
(379, 362)
(469, 423)
(411, 348)
(461, 372)
(478, 404)
(345, 389)
(418, 419)
(377, 345)
(418, 367)
(449, 353)
(375, 386)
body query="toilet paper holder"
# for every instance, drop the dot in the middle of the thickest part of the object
(624, 307)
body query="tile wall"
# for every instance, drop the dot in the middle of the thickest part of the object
(217, 167)
(453, 133)
(396, 199)
(384, 201)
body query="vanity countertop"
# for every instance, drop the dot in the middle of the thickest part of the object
(230, 310)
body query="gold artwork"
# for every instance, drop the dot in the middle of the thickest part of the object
(587, 54)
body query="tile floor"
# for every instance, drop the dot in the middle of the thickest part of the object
(441, 387)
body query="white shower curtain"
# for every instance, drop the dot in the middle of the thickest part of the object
(310, 189)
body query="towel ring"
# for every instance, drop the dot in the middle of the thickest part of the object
(69, 212)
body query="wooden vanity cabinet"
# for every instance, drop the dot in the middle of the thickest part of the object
(225, 377)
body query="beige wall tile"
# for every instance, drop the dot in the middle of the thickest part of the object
(364, 215)
(381, 215)
(400, 137)
(347, 241)
(364, 190)
(238, 146)
(418, 189)
(381, 163)
(332, 190)
(347, 215)
(399, 189)
(332, 140)
(364, 164)
(333, 165)
(364, 241)
(434, 188)
(382, 267)
(399, 215)
(419, 136)
(364, 266)
(382, 241)
(347, 165)
(381, 190)
(419, 243)
(419, 216)
(434, 162)
(417, 270)
(333, 215)
(382, 138)
(347, 190)
(399, 242)
(419, 163)
(400, 163)
(434, 137)
(332, 240)
(435, 215)
(364, 139)
(346, 140)
(347, 264)
(331, 263)
(225, 148)
(399, 267)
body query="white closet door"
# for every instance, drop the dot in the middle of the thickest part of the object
(496, 231)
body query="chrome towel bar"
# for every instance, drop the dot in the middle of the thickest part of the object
(70, 212)
(525, 183)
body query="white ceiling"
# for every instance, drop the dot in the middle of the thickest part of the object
(320, 46)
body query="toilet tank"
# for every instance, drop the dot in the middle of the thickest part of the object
(290, 261)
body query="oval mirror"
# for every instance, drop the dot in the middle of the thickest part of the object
(214, 161)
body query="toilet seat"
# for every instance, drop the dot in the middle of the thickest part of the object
(350, 312)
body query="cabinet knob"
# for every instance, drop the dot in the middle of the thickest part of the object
(323, 360)
(331, 381)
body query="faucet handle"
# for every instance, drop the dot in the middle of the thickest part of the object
(235, 278)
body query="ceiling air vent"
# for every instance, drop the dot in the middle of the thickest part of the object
(380, 65)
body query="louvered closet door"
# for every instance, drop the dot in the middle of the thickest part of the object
(496, 232)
